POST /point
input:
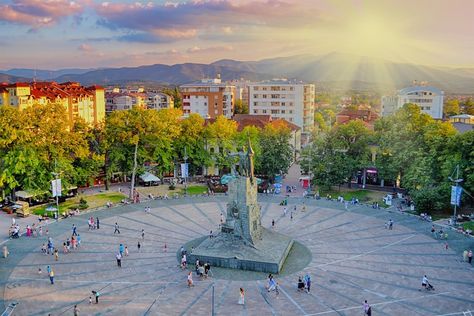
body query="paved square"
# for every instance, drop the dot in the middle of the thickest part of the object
(353, 258)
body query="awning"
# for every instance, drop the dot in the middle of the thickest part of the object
(149, 177)
(24, 194)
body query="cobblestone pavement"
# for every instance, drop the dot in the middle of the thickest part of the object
(354, 258)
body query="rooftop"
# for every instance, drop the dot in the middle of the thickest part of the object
(421, 89)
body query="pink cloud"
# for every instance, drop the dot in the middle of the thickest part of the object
(86, 48)
(176, 21)
(39, 13)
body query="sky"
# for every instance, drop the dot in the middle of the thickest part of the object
(54, 34)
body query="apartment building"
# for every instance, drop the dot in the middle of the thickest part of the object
(429, 99)
(118, 101)
(85, 102)
(159, 101)
(284, 99)
(209, 98)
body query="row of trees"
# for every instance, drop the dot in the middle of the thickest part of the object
(39, 142)
(410, 148)
(454, 107)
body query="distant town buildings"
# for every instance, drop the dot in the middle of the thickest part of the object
(367, 115)
(79, 101)
(284, 99)
(429, 99)
(241, 89)
(124, 99)
(209, 98)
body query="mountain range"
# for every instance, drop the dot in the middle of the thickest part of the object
(343, 71)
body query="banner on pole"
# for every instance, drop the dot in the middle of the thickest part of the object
(184, 170)
(456, 195)
(56, 187)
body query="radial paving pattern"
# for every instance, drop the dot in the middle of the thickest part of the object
(353, 258)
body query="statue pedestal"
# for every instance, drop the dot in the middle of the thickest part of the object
(243, 243)
(227, 251)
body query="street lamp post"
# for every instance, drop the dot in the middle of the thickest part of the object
(186, 172)
(455, 201)
(55, 192)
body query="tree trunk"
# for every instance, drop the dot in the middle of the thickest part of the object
(106, 170)
(382, 183)
(134, 170)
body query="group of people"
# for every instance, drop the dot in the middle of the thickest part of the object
(304, 283)
(93, 223)
(202, 269)
(389, 224)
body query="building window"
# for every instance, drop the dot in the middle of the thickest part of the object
(264, 96)
(255, 111)
(264, 111)
(275, 111)
(255, 96)
(255, 104)
(291, 111)
(282, 111)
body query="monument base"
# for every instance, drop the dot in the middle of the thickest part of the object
(227, 251)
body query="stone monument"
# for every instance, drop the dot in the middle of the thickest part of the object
(242, 242)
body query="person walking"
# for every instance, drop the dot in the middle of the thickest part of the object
(56, 254)
(390, 224)
(118, 256)
(6, 252)
(74, 230)
(139, 246)
(126, 251)
(51, 275)
(143, 233)
(469, 256)
(76, 310)
(273, 223)
(242, 297)
(116, 229)
(121, 249)
(190, 279)
(97, 222)
(307, 281)
(96, 294)
(464, 255)
(367, 309)
(78, 240)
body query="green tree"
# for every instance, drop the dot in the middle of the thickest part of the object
(193, 140)
(276, 150)
(220, 136)
(468, 106)
(241, 107)
(451, 107)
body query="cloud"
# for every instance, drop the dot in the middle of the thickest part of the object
(39, 13)
(169, 22)
(85, 48)
(211, 49)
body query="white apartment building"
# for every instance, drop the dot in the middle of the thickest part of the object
(429, 99)
(284, 99)
(158, 101)
(209, 98)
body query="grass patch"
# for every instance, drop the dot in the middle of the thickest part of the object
(196, 189)
(93, 201)
(364, 196)
(468, 225)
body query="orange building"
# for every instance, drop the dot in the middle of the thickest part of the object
(209, 98)
(85, 102)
